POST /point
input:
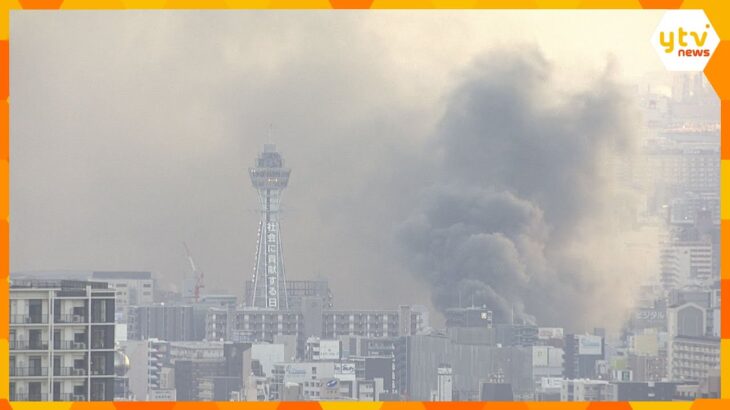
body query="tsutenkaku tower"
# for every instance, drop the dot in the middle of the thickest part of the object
(269, 177)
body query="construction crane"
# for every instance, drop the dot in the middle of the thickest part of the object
(197, 274)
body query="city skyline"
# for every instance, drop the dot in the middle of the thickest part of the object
(163, 166)
(515, 218)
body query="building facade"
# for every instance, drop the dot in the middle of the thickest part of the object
(61, 341)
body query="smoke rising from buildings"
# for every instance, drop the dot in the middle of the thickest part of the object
(527, 216)
(169, 109)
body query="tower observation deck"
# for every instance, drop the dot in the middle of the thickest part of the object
(269, 177)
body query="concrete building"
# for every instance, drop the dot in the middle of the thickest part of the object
(480, 317)
(61, 341)
(305, 374)
(581, 353)
(648, 368)
(255, 326)
(684, 263)
(692, 358)
(149, 369)
(588, 390)
(131, 288)
(165, 322)
(264, 325)
(547, 362)
(645, 391)
(370, 323)
(202, 375)
(320, 349)
(418, 357)
(267, 354)
(445, 383)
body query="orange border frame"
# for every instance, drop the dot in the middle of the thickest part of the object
(717, 72)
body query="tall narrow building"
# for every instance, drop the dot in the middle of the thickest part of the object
(269, 177)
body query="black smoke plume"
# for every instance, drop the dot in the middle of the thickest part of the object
(529, 217)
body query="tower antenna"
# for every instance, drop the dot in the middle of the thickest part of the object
(269, 177)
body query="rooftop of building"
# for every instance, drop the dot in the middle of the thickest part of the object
(55, 284)
(137, 275)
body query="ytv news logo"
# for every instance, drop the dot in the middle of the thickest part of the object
(685, 40)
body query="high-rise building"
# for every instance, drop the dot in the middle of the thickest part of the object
(683, 263)
(691, 352)
(149, 360)
(61, 341)
(269, 177)
(371, 323)
(581, 352)
(165, 322)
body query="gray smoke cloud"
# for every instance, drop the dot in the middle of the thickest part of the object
(529, 216)
(126, 143)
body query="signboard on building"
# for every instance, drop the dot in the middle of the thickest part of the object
(590, 345)
(162, 395)
(551, 383)
(655, 317)
(345, 368)
(547, 333)
(329, 350)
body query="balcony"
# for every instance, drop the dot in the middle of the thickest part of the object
(69, 345)
(29, 397)
(68, 372)
(28, 319)
(70, 319)
(101, 371)
(28, 371)
(29, 345)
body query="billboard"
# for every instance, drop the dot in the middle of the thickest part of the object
(329, 350)
(590, 345)
(344, 368)
(547, 333)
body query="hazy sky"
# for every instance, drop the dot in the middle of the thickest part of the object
(132, 131)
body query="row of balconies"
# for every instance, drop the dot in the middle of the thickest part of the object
(60, 319)
(38, 371)
(45, 397)
(28, 396)
(43, 371)
(57, 345)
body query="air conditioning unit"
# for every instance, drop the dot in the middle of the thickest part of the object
(78, 319)
(78, 345)
(78, 397)
(78, 372)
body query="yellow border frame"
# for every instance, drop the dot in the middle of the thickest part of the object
(718, 12)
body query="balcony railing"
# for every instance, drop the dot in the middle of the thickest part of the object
(29, 397)
(68, 371)
(69, 345)
(102, 372)
(28, 371)
(28, 319)
(70, 319)
(102, 318)
(29, 345)
(101, 344)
